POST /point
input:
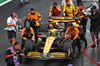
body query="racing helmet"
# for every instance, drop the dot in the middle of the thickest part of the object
(53, 32)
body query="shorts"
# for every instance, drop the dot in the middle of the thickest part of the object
(11, 34)
(94, 31)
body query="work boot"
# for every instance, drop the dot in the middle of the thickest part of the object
(93, 46)
(27, 2)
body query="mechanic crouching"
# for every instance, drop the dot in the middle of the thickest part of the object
(27, 33)
(73, 33)
(81, 33)
(33, 17)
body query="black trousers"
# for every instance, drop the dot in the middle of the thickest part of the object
(23, 41)
(35, 28)
(78, 1)
(10, 64)
(76, 42)
(82, 36)
(83, 23)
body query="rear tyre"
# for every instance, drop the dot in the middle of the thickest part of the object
(43, 28)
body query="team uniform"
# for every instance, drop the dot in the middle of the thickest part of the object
(25, 36)
(83, 17)
(81, 33)
(34, 17)
(69, 11)
(55, 11)
(73, 33)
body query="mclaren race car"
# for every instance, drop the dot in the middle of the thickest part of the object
(52, 46)
(51, 43)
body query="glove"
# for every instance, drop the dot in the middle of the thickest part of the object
(33, 39)
(49, 17)
(26, 39)
(37, 24)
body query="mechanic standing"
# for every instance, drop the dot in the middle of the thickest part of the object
(27, 33)
(54, 10)
(11, 24)
(68, 10)
(14, 55)
(95, 24)
(82, 16)
(33, 16)
(73, 33)
(26, 1)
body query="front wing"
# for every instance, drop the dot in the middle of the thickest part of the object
(53, 55)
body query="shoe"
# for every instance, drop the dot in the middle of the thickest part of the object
(21, 3)
(93, 46)
(27, 2)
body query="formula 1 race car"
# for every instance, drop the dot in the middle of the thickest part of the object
(51, 42)
(52, 46)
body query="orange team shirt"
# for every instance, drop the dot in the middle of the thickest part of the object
(80, 12)
(55, 11)
(31, 16)
(24, 32)
(74, 32)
